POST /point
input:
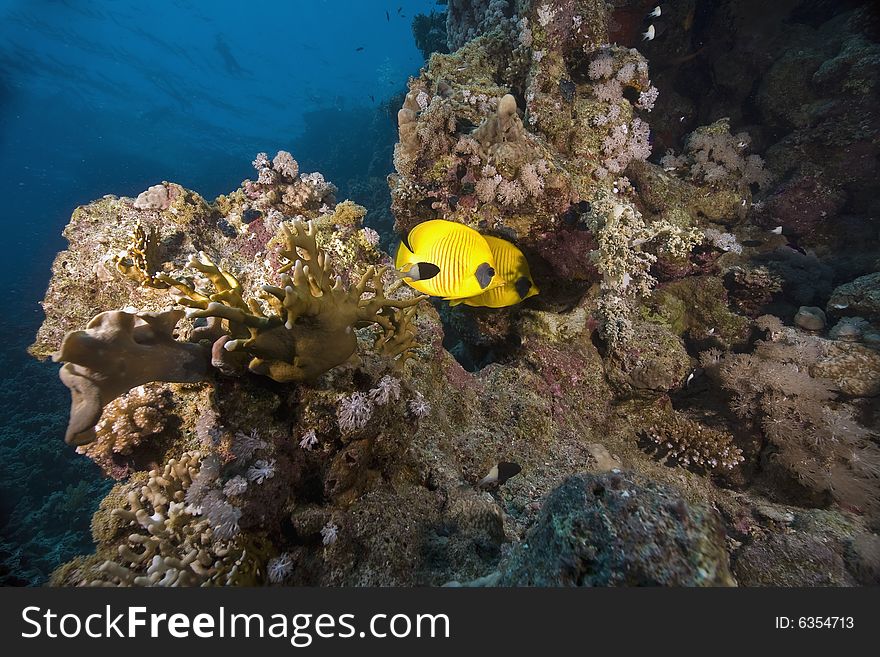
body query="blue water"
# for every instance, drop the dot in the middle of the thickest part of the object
(111, 97)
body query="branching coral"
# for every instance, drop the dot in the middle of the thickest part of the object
(125, 422)
(623, 259)
(169, 543)
(280, 186)
(138, 261)
(310, 326)
(692, 444)
(116, 352)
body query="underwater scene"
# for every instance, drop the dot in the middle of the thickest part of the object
(457, 293)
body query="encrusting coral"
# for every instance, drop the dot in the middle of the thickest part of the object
(310, 328)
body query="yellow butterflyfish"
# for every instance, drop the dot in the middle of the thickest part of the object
(514, 269)
(447, 259)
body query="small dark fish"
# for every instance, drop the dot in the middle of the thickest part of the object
(250, 215)
(500, 474)
(575, 215)
(372, 100)
(399, 9)
(387, 16)
(359, 48)
(567, 88)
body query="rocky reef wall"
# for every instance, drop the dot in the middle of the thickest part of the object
(690, 400)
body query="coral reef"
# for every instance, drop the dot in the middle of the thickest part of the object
(615, 530)
(691, 400)
(167, 541)
(788, 387)
(310, 327)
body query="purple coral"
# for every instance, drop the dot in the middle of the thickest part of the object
(531, 180)
(235, 486)
(647, 98)
(261, 161)
(486, 188)
(329, 533)
(370, 236)
(207, 428)
(244, 445)
(386, 390)
(418, 406)
(510, 192)
(261, 470)
(722, 240)
(626, 73)
(354, 412)
(309, 439)
(267, 177)
(609, 92)
(222, 516)
(626, 143)
(640, 140)
(279, 568)
(602, 67)
(284, 164)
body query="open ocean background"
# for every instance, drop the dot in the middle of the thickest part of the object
(111, 97)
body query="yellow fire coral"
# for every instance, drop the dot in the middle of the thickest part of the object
(310, 328)
(137, 262)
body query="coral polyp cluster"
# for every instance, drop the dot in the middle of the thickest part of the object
(170, 542)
